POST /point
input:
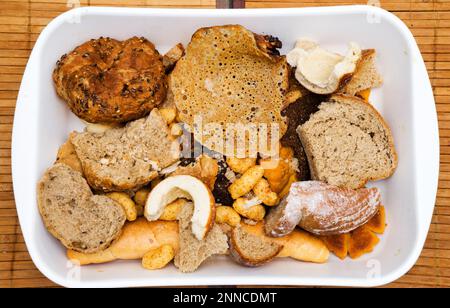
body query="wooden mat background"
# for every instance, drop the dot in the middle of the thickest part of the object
(22, 20)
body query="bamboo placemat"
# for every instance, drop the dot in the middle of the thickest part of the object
(22, 20)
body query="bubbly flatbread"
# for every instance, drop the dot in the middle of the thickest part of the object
(229, 76)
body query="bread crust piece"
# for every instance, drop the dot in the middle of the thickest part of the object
(109, 81)
(242, 256)
(307, 142)
(71, 213)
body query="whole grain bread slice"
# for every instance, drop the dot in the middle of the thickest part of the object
(252, 250)
(192, 252)
(129, 157)
(366, 75)
(348, 143)
(71, 213)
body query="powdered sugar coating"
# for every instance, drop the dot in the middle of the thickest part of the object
(322, 209)
(328, 209)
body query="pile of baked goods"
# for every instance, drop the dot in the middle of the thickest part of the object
(167, 167)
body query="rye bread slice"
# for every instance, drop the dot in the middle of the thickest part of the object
(80, 220)
(193, 252)
(126, 158)
(252, 250)
(348, 143)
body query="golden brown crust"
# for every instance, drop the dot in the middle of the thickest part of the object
(109, 81)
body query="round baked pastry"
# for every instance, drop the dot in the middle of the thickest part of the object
(110, 81)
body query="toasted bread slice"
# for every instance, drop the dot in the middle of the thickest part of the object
(71, 213)
(126, 158)
(348, 143)
(252, 250)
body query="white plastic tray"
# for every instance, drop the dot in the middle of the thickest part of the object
(42, 123)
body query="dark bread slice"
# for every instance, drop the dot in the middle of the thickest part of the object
(252, 250)
(348, 143)
(71, 213)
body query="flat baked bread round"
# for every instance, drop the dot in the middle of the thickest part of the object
(229, 76)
